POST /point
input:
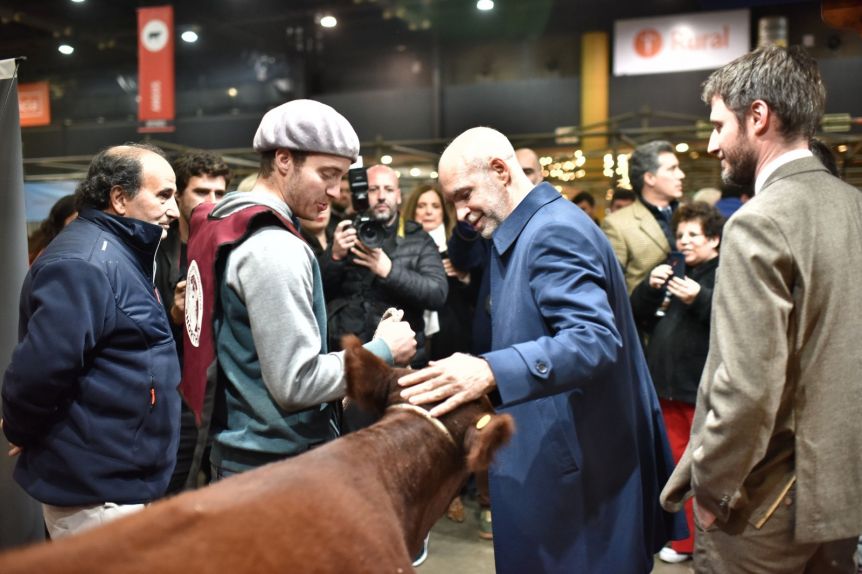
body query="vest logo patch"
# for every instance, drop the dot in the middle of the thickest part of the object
(194, 304)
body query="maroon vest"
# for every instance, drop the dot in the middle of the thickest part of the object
(210, 241)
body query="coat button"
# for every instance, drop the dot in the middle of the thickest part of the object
(541, 367)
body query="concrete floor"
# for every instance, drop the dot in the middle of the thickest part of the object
(457, 549)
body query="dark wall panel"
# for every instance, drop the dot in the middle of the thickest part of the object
(512, 107)
(678, 93)
(390, 114)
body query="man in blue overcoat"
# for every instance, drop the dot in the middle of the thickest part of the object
(577, 489)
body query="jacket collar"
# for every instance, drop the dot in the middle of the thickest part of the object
(141, 237)
(511, 228)
(794, 167)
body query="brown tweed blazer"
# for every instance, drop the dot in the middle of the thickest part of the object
(781, 395)
(637, 240)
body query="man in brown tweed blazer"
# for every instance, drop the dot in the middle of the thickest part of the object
(775, 454)
(641, 234)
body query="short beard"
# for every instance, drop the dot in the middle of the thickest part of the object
(381, 217)
(741, 170)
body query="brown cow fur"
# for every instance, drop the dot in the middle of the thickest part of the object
(362, 503)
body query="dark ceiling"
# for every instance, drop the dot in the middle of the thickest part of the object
(232, 32)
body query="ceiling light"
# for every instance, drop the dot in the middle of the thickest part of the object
(77, 1)
(682, 147)
(189, 36)
(65, 49)
(328, 21)
(385, 159)
(232, 92)
(485, 5)
(415, 172)
(433, 175)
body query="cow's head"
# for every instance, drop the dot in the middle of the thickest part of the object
(373, 386)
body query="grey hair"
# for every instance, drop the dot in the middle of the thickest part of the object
(645, 159)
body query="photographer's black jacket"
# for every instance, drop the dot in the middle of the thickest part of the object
(356, 298)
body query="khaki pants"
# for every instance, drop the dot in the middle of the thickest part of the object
(770, 549)
(66, 520)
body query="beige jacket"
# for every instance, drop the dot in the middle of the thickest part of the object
(781, 395)
(637, 240)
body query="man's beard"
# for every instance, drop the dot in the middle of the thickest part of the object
(741, 164)
(385, 217)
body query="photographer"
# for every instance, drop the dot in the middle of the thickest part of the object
(361, 281)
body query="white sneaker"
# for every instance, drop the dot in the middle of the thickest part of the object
(423, 553)
(671, 556)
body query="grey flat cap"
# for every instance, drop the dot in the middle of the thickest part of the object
(307, 125)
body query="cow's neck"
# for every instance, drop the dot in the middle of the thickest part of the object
(432, 471)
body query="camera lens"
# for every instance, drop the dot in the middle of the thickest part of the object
(371, 233)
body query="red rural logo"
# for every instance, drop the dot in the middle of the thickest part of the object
(648, 43)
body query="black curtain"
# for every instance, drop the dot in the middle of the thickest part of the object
(20, 515)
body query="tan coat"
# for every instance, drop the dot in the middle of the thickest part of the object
(638, 241)
(781, 395)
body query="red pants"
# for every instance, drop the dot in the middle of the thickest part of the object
(678, 418)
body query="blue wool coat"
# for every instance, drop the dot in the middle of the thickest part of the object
(577, 488)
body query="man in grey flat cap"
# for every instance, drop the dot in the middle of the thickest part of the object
(256, 357)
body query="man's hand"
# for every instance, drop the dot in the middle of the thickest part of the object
(452, 271)
(704, 517)
(374, 259)
(15, 450)
(455, 380)
(343, 240)
(178, 311)
(659, 276)
(684, 289)
(398, 335)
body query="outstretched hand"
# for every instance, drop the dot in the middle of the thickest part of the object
(453, 382)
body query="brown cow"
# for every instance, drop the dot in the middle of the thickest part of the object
(362, 503)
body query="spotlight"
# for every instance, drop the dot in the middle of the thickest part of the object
(66, 49)
(485, 5)
(328, 21)
(189, 36)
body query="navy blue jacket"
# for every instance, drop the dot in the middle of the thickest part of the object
(577, 487)
(91, 390)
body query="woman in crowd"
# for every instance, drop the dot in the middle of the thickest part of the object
(678, 338)
(449, 331)
(62, 214)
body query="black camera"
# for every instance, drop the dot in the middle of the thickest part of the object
(370, 232)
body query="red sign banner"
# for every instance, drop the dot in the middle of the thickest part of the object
(34, 104)
(156, 69)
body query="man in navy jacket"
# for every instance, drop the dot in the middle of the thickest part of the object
(577, 488)
(90, 401)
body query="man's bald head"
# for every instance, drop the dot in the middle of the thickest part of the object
(529, 162)
(475, 148)
(480, 174)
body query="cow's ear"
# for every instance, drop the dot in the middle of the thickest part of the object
(484, 438)
(369, 378)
